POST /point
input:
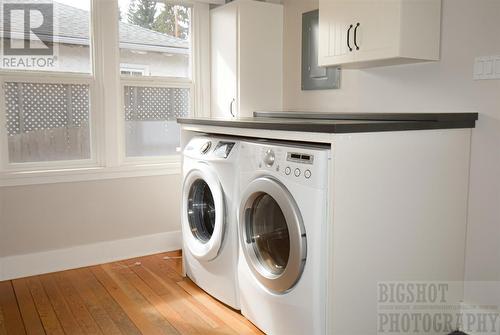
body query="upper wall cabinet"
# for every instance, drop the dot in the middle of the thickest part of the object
(366, 33)
(247, 58)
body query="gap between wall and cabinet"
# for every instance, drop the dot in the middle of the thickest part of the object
(17, 266)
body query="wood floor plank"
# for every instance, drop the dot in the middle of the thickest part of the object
(121, 273)
(168, 270)
(76, 305)
(224, 330)
(232, 318)
(92, 303)
(47, 314)
(164, 295)
(12, 319)
(114, 310)
(145, 295)
(64, 315)
(136, 310)
(156, 267)
(31, 319)
(174, 260)
(3, 331)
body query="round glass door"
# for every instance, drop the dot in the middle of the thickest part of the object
(272, 235)
(268, 232)
(203, 213)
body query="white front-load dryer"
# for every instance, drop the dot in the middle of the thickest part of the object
(209, 222)
(282, 230)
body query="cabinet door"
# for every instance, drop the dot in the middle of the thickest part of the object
(376, 29)
(371, 28)
(224, 30)
(260, 57)
(335, 19)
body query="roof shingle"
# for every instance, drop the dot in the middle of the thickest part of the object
(72, 27)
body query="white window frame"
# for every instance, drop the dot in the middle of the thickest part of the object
(52, 78)
(157, 81)
(106, 105)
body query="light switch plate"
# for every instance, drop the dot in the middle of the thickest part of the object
(487, 67)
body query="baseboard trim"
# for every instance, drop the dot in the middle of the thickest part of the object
(18, 266)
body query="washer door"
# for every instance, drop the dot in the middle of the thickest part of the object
(203, 211)
(272, 234)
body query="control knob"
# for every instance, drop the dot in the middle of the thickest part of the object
(205, 147)
(269, 158)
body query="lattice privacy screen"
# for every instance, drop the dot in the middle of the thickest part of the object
(41, 106)
(155, 103)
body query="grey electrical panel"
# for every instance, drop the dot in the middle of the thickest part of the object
(315, 77)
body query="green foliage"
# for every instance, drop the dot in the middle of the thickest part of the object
(142, 13)
(174, 20)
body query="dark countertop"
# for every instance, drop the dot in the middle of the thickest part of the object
(341, 123)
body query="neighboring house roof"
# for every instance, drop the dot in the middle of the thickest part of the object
(72, 27)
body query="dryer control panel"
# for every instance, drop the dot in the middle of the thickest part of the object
(298, 163)
(300, 158)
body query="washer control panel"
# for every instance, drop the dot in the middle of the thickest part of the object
(223, 149)
(209, 148)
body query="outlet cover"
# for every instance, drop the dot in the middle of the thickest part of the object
(487, 68)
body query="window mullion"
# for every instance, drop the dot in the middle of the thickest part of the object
(4, 151)
(106, 67)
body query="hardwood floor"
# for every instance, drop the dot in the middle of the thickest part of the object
(146, 295)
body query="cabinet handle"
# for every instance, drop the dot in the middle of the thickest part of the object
(356, 36)
(349, 37)
(231, 107)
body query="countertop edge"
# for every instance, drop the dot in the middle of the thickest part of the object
(333, 127)
(468, 116)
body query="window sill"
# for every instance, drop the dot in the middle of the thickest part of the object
(19, 178)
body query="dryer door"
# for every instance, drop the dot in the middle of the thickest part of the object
(203, 213)
(272, 234)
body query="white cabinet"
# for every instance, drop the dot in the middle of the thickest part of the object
(247, 58)
(363, 33)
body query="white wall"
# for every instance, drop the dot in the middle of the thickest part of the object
(39, 218)
(469, 29)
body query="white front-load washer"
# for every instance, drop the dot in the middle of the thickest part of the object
(282, 232)
(209, 220)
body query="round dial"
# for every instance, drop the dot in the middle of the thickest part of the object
(269, 158)
(205, 147)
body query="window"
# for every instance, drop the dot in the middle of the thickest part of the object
(47, 116)
(150, 119)
(154, 35)
(61, 44)
(69, 108)
(47, 121)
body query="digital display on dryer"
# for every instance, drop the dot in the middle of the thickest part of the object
(300, 158)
